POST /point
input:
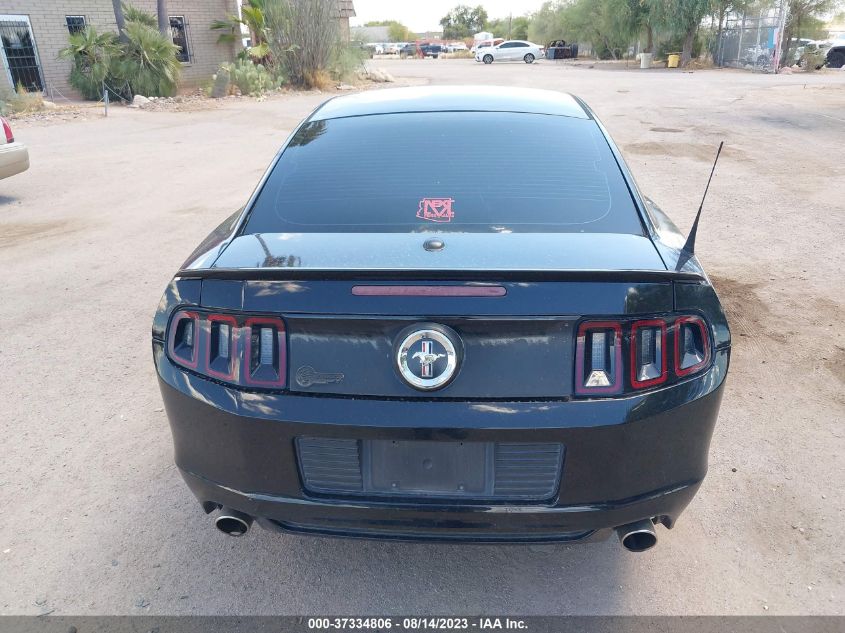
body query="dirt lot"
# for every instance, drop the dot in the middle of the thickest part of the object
(97, 521)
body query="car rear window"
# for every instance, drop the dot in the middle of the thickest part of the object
(446, 171)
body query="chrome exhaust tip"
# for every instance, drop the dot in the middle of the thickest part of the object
(232, 522)
(638, 536)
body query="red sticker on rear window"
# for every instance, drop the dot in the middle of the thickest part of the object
(436, 209)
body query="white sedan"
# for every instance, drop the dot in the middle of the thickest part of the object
(14, 157)
(512, 50)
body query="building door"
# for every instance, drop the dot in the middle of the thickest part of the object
(20, 57)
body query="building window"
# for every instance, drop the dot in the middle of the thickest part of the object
(75, 23)
(179, 33)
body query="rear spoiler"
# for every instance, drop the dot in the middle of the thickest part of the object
(297, 274)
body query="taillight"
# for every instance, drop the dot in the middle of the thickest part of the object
(247, 351)
(183, 342)
(648, 353)
(10, 138)
(598, 358)
(692, 345)
(221, 346)
(615, 357)
(264, 361)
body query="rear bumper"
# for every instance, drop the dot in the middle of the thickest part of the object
(625, 459)
(14, 159)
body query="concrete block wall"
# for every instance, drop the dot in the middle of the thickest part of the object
(49, 28)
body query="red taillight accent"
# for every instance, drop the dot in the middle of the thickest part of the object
(634, 360)
(429, 291)
(183, 343)
(612, 354)
(691, 322)
(220, 346)
(10, 138)
(265, 374)
(215, 364)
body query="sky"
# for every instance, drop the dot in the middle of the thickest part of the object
(424, 15)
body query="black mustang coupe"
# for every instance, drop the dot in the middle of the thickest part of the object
(507, 344)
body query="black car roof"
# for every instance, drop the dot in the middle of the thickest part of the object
(453, 99)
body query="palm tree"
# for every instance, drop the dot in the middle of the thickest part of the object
(118, 17)
(163, 19)
(252, 16)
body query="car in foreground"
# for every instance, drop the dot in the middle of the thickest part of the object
(511, 50)
(14, 155)
(507, 351)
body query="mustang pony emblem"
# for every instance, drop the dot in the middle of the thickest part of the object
(427, 359)
(434, 348)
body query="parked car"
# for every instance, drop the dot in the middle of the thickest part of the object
(435, 351)
(431, 50)
(393, 48)
(421, 50)
(511, 50)
(409, 50)
(14, 156)
(485, 44)
(454, 47)
(835, 57)
(376, 49)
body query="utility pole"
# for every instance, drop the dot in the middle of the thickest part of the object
(510, 23)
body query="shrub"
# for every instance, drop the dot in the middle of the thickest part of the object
(131, 14)
(317, 79)
(145, 64)
(12, 102)
(253, 79)
(812, 60)
(303, 36)
(347, 60)
(93, 55)
(148, 62)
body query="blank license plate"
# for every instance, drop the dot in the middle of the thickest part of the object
(430, 468)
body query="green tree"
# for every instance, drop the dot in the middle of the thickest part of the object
(463, 21)
(396, 31)
(514, 28)
(683, 17)
(801, 14)
(610, 26)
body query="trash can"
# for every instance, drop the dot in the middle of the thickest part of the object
(645, 60)
(673, 60)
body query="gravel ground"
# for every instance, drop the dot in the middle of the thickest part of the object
(97, 520)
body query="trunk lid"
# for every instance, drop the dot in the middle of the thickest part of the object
(489, 252)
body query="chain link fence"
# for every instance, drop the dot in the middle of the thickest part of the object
(751, 39)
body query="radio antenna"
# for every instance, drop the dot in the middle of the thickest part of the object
(689, 247)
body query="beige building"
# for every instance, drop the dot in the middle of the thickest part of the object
(32, 32)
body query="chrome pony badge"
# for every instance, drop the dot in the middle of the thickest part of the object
(427, 358)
